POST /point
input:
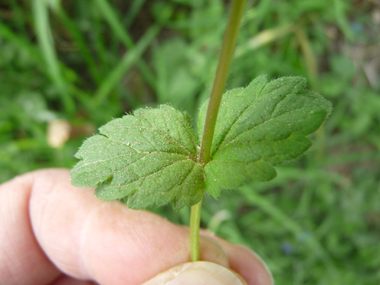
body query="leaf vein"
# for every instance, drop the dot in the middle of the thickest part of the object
(237, 118)
(150, 174)
(171, 187)
(270, 119)
(161, 132)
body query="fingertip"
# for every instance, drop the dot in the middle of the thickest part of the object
(248, 264)
(135, 245)
(200, 273)
(212, 251)
(18, 245)
(267, 274)
(244, 261)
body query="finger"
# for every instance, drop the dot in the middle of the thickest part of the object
(211, 250)
(200, 272)
(66, 280)
(21, 259)
(92, 239)
(245, 262)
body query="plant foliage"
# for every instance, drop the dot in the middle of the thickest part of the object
(151, 156)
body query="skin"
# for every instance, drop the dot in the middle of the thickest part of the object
(54, 233)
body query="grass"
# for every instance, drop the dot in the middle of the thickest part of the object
(318, 222)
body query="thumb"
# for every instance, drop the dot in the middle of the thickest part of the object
(199, 273)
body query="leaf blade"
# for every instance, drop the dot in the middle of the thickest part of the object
(147, 157)
(260, 126)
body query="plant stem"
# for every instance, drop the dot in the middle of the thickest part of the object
(228, 47)
(195, 219)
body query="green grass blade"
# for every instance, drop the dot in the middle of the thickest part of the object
(112, 19)
(43, 33)
(342, 20)
(18, 17)
(133, 11)
(80, 42)
(23, 45)
(116, 25)
(125, 64)
(289, 224)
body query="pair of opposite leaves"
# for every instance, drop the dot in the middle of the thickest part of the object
(151, 157)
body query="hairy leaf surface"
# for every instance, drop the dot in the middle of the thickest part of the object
(148, 157)
(258, 127)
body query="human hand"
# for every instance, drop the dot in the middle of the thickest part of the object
(54, 233)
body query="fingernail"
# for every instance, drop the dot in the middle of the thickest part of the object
(203, 272)
(200, 273)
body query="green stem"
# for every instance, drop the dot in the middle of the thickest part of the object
(228, 47)
(195, 219)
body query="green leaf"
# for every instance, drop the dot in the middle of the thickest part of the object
(148, 157)
(258, 127)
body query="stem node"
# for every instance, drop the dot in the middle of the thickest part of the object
(228, 47)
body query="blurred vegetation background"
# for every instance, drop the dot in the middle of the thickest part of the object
(68, 67)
